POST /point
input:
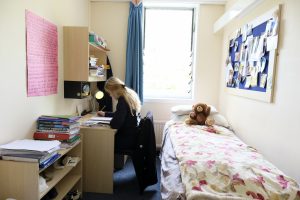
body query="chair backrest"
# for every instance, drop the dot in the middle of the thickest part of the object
(150, 116)
(144, 158)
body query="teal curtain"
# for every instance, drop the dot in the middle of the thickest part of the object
(134, 52)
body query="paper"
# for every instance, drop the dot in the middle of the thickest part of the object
(272, 27)
(258, 65)
(272, 42)
(238, 33)
(42, 56)
(263, 80)
(229, 74)
(236, 66)
(231, 43)
(249, 29)
(245, 71)
(254, 75)
(236, 46)
(241, 69)
(248, 82)
(258, 48)
(96, 120)
(32, 145)
(244, 33)
(101, 119)
(237, 56)
(263, 64)
(243, 53)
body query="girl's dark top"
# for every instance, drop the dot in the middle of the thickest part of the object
(126, 123)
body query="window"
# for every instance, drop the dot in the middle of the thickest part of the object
(168, 53)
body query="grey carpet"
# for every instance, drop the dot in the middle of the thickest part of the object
(126, 186)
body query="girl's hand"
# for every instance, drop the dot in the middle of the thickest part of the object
(101, 113)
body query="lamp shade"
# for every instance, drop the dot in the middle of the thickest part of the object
(99, 95)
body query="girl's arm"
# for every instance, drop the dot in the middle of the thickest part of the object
(120, 115)
(109, 114)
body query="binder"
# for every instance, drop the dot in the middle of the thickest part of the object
(53, 136)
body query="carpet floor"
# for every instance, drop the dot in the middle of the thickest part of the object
(126, 186)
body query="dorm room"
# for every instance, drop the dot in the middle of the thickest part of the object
(149, 99)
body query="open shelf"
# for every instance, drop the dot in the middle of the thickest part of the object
(66, 185)
(95, 47)
(58, 175)
(62, 152)
(77, 50)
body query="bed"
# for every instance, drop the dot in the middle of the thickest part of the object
(198, 162)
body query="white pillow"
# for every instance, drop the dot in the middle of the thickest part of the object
(213, 110)
(179, 118)
(181, 110)
(186, 109)
(219, 120)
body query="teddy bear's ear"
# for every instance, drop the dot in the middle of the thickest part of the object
(207, 110)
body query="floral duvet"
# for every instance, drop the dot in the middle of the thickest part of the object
(215, 164)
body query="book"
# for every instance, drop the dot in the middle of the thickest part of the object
(71, 126)
(49, 161)
(53, 136)
(28, 158)
(59, 118)
(62, 123)
(72, 131)
(28, 153)
(65, 145)
(71, 140)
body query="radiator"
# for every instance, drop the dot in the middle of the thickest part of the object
(158, 129)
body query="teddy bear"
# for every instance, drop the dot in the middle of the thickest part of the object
(199, 115)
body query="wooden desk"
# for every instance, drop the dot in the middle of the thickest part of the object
(98, 159)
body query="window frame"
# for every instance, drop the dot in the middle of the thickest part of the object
(194, 9)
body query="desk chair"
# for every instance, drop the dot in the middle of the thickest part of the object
(144, 154)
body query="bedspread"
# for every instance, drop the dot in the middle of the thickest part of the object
(215, 164)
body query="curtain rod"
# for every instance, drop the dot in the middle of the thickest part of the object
(222, 2)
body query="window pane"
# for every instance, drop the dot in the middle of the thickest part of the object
(168, 53)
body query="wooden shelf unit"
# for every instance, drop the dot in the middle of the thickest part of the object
(77, 50)
(20, 180)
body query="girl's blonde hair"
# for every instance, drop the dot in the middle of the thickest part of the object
(118, 87)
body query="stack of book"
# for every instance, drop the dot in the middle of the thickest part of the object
(43, 152)
(97, 40)
(62, 128)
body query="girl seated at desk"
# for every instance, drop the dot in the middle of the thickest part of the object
(125, 117)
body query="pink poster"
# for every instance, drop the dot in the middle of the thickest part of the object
(42, 56)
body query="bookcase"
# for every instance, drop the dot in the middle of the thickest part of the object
(20, 180)
(77, 50)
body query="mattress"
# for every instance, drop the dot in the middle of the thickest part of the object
(212, 163)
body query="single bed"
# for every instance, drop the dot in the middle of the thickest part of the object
(204, 163)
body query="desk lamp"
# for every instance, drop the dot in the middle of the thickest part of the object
(97, 96)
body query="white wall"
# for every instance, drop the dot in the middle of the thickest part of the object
(271, 128)
(208, 50)
(19, 112)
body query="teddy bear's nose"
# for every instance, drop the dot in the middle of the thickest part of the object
(199, 109)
